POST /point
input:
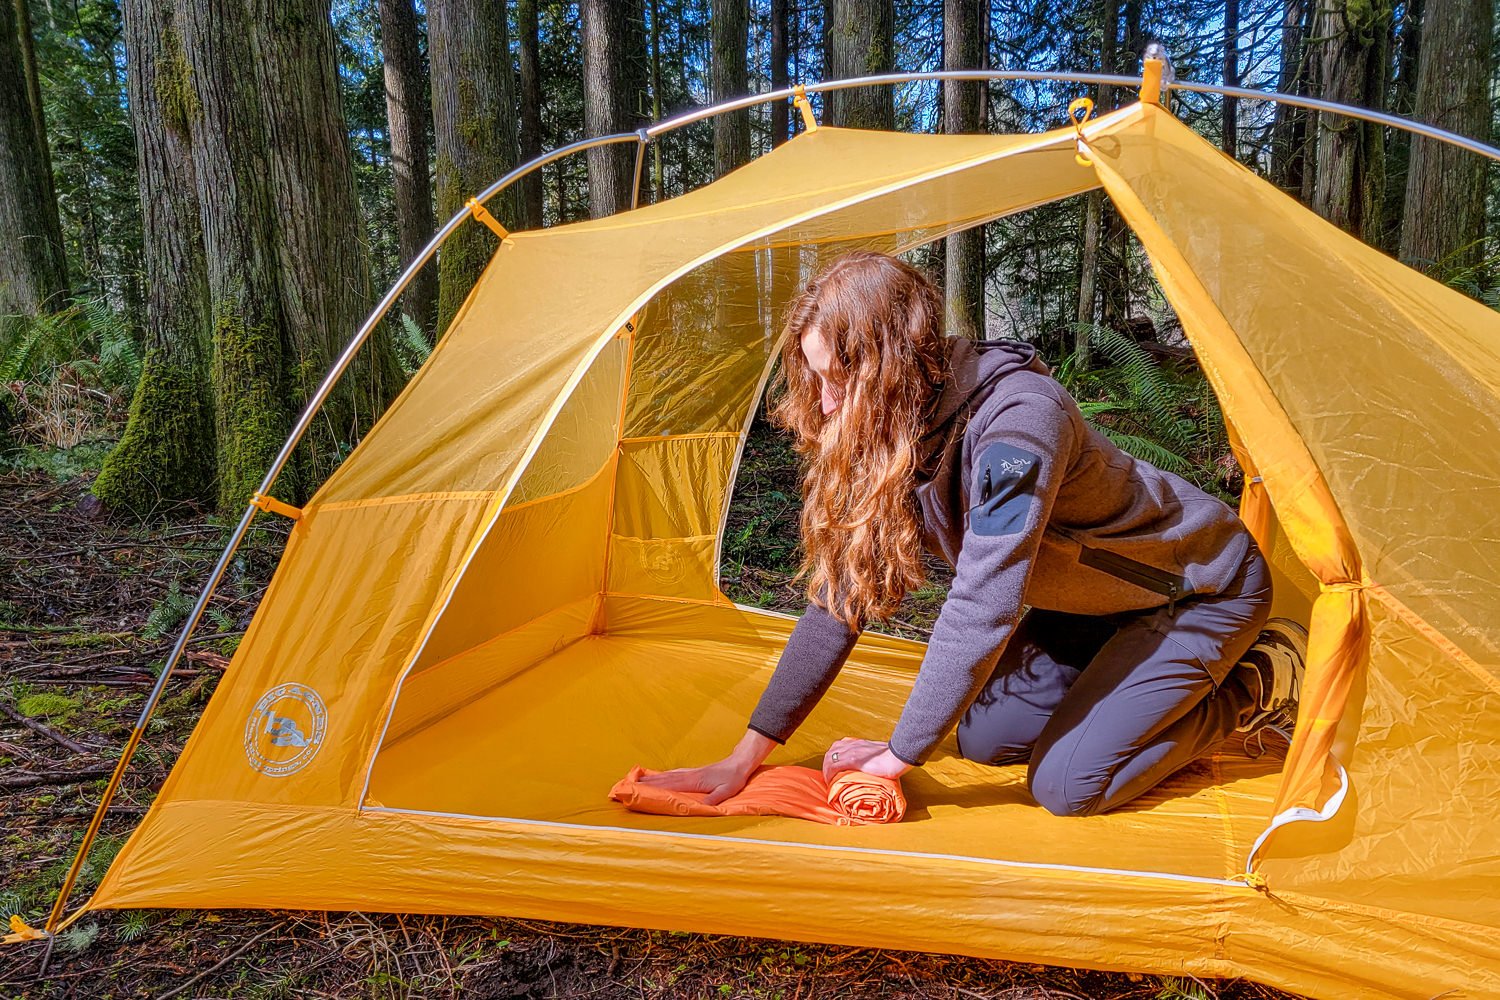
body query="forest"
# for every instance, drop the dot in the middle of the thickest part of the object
(201, 201)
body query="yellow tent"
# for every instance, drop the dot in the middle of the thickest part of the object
(508, 595)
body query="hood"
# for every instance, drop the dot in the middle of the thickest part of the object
(974, 366)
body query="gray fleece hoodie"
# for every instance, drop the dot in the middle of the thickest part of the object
(1031, 506)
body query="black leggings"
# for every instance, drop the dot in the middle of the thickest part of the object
(1106, 707)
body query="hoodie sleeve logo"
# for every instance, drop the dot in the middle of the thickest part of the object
(1005, 489)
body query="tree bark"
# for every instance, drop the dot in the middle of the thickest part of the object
(475, 132)
(1231, 123)
(1445, 186)
(730, 24)
(780, 110)
(529, 121)
(1093, 204)
(1351, 58)
(1289, 124)
(321, 249)
(861, 41)
(166, 454)
(408, 112)
(613, 101)
(33, 270)
(228, 139)
(963, 111)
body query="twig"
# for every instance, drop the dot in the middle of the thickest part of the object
(47, 731)
(222, 962)
(40, 778)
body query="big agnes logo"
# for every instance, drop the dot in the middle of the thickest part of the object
(285, 729)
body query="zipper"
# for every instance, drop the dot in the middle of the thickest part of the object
(1141, 574)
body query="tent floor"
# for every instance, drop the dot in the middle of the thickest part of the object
(547, 744)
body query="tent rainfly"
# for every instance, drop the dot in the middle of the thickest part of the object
(508, 595)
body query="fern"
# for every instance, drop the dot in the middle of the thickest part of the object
(412, 348)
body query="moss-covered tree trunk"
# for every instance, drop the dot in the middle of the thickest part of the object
(861, 41)
(1352, 43)
(613, 58)
(166, 454)
(408, 112)
(33, 271)
(474, 130)
(730, 24)
(321, 251)
(964, 111)
(252, 354)
(529, 121)
(1444, 218)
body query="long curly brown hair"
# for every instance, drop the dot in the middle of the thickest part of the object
(882, 322)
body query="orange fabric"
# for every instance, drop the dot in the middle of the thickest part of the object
(852, 799)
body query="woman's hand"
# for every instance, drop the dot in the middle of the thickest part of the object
(722, 779)
(868, 756)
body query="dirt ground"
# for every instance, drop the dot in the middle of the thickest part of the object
(88, 609)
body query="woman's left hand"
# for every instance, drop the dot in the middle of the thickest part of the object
(869, 756)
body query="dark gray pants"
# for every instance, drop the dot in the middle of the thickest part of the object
(1106, 707)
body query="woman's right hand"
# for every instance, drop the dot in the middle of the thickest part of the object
(722, 779)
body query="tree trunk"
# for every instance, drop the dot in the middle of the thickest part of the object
(1351, 59)
(1093, 205)
(529, 122)
(1231, 76)
(730, 24)
(963, 111)
(1289, 124)
(33, 271)
(324, 263)
(612, 98)
(780, 110)
(475, 133)
(1445, 185)
(230, 151)
(408, 112)
(861, 41)
(166, 454)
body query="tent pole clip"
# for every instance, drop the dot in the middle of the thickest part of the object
(271, 505)
(481, 213)
(1086, 106)
(1156, 74)
(802, 104)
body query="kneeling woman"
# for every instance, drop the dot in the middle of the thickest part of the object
(1143, 591)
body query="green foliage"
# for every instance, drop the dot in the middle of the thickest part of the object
(412, 348)
(1167, 416)
(87, 340)
(133, 925)
(169, 614)
(48, 705)
(80, 55)
(80, 938)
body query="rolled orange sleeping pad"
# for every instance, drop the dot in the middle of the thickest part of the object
(852, 799)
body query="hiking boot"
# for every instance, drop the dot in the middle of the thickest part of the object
(1271, 671)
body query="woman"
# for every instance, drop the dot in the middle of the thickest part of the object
(1144, 592)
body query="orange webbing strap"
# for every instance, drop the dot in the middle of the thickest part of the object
(802, 104)
(271, 505)
(483, 215)
(1151, 82)
(1085, 105)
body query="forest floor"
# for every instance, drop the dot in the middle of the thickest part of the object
(88, 609)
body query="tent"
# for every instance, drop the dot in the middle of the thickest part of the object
(507, 596)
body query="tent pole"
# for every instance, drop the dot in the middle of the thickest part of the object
(641, 137)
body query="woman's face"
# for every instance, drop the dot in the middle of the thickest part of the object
(820, 359)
